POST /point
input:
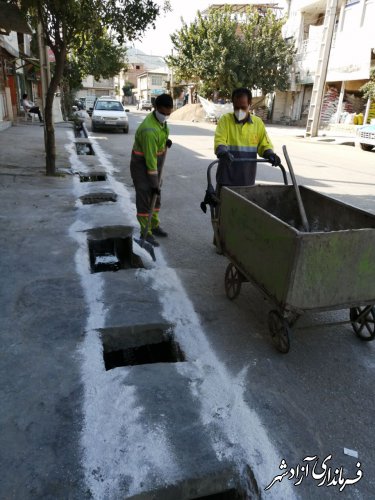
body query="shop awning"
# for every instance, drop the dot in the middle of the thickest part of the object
(11, 19)
(28, 60)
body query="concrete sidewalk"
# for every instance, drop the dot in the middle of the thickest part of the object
(325, 136)
(72, 427)
(42, 322)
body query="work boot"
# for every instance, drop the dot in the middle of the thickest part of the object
(150, 239)
(158, 231)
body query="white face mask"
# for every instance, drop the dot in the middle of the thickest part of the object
(240, 114)
(160, 117)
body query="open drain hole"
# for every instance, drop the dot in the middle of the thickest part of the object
(224, 495)
(164, 352)
(139, 345)
(111, 249)
(84, 148)
(90, 199)
(92, 177)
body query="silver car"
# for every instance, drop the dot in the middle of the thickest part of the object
(366, 137)
(145, 105)
(109, 113)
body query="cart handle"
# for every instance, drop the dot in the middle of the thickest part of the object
(262, 160)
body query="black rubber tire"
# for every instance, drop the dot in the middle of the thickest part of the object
(93, 129)
(366, 147)
(232, 281)
(280, 331)
(126, 130)
(365, 327)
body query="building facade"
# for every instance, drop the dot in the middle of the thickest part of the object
(92, 87)
(152, 83)
(17, 68)
(350, 57)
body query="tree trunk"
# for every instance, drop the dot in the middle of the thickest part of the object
(49, 129)
(66, 99)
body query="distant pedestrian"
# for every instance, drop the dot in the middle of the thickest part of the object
(30, 107)
(149, 149)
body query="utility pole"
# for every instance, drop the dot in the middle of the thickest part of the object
(172, 84)
(43, 66)
(321, 70)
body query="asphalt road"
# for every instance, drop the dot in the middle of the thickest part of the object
(317, 399)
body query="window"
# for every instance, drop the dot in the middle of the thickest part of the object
(156, 80)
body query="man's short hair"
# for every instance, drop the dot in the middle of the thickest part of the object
(240, 92)
(164, 100)
(24, 96)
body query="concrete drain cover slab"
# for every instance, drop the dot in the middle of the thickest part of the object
(90, 199)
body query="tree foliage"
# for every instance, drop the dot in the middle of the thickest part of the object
(101, 57)
(368, 88)
(206, 52)
(266, 57)
(220, 53)
(127, 89)
(70, 25)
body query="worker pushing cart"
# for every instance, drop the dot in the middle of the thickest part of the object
(241, 136)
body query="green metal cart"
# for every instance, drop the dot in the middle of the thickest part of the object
(260, 230)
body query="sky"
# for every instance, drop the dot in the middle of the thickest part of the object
(157, 42)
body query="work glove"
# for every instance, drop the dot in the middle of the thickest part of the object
(274, 159)
(225, 155)
(168, 143)
(210, 199)
(155, 190)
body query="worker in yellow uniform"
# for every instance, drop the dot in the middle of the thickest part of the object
(149, 149)
(241, 136)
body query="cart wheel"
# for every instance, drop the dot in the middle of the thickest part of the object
(279, 328)
(363, 322)
(233, 281)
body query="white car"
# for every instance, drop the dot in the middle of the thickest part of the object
(366, 137)
(108, 112)
(146, 105)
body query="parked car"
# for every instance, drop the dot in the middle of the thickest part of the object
(108, 112)
(88, 103)
(366, 137)
(146, 105)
